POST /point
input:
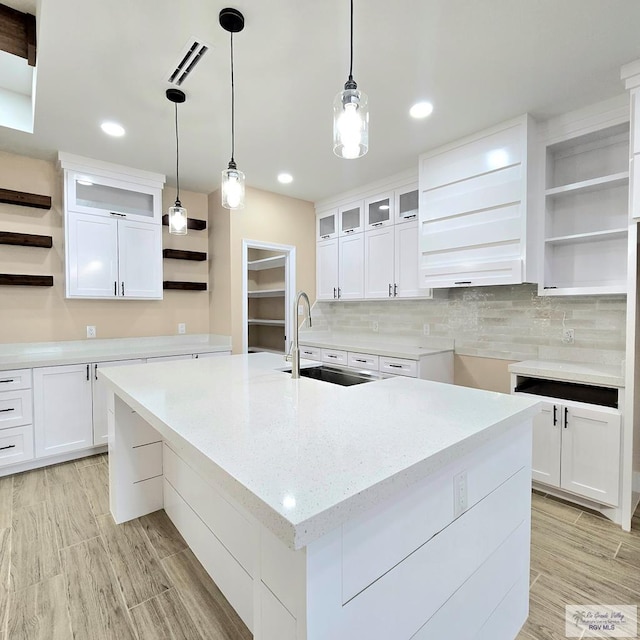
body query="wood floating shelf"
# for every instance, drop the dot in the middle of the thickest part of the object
(13, 279)
(25, 239)
(192, 223)
(184, 286)
(179, 254)
(25, 199)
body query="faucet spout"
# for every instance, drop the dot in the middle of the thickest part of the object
(294, 355)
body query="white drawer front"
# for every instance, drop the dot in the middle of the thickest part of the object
(15, 408)
(331, 356)
(364, 361)
(148, 461)
(16, 445)
(311, 353)
(16, 379)
(399, 367)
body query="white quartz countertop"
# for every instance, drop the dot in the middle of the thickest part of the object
(596, 374)
(410, 347)
(303, 456)
(45, 354)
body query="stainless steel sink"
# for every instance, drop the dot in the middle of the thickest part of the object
(335, 375)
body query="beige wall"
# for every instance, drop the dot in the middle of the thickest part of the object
(490, 374)
(267, 217)
(34, 314)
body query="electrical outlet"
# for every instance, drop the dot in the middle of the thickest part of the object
(426, 329)
(182, 327)
(460, 491)
(91, 331)
(374, 326)
(568, 336)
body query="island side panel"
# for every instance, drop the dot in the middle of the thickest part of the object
(135, 463)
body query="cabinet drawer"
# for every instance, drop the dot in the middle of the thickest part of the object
(311, 353)
(15, 408)
(331, 356)
(399, 367)
(147, 461)
(16, 379)
(363, 361)
(16, 445)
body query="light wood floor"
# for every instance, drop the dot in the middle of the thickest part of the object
(68, 572)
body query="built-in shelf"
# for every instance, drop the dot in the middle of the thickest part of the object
(609, 234)
(593, 290)
(192, 223)
(184, 286)
(23, 199)
(259, 349)
(595, 184)
(14, 279)
(266, 263)
(267, 293)
(266, 323)
(179, 254)
(25, 239)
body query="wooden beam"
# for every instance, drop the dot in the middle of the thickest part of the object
(25, 199)
(26, 239)
(18, 33)
(15, 279)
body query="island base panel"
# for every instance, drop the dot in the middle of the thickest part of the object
(404, 568)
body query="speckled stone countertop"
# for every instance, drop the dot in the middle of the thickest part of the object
(409, 347)
(597, 374)
(303, 456)
(44, 354)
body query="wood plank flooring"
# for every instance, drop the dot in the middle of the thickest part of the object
(67, 572)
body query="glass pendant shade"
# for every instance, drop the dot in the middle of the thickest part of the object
(178, 219)
(232, 188)
(350, 124)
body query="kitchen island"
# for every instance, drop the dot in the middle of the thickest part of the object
(394, 509)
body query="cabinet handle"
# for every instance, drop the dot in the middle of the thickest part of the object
(360, 360)
(334, 292)
(6, 380)
(325, 237)
(331, 356)
(123, 287)
(95, 371)
(9, 446)
(87, 373)
(566, 417)
(463, 282)
(115, 288)
(395, 290)
(389, 290)
(349, 230)
(377, 224)
(6, 410)
(120, 215)
(395, 366)
(339, 292)
(411, 217)
(555, 415)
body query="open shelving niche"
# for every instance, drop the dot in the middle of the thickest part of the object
(586, 213)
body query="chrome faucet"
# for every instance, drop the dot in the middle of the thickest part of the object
(294, 352)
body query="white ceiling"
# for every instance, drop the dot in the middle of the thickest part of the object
(478, 62)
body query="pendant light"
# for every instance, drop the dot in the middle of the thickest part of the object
(177, 213)
(232, 189)
(350, 116)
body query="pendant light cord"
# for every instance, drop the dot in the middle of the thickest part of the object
(175, 104)
(233, 108)
(351, 56)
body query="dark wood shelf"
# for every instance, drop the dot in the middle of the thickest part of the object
(25, 239)
(184, 286)
(192, 223)
(25, 199)
(14, 279)
(179, 254)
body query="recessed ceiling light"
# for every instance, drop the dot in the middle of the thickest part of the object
(112, 129)
(285, 178)
(421, 110)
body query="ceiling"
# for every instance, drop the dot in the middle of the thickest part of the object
(478, 62)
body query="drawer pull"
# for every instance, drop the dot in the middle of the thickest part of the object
(411, 217)
(5, 410)
(360, 360)
(9, 446)
(120, 215)
(7, 380)
(463, 282)
(396, 366)
(377, 224)
(308, 353)
(330, 356)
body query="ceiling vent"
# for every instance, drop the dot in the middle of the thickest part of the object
(189, 58)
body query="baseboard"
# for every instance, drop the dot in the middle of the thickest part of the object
(38, 463)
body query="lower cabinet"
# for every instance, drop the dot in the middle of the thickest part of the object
(62, 408)
(577, 448)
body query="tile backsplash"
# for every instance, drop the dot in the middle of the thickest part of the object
(508, 322)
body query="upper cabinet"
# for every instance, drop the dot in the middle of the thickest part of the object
(113, 232)
(475, 223)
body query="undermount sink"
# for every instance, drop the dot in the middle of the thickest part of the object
(335, 375)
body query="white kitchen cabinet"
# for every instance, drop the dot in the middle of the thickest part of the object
(327, 269)
(62, 409)
(379, 211)
(99, 399)
(185, 356)
(351, 218)
(351, 267)
(406, 203)
(547, 442)
(327, 225)
(475, 223)
(112, 258)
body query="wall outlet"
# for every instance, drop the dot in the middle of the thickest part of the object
(426, 329)
(460, 493)
(374, 326)
(568, 336)
(91, 331)
(182, 327)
